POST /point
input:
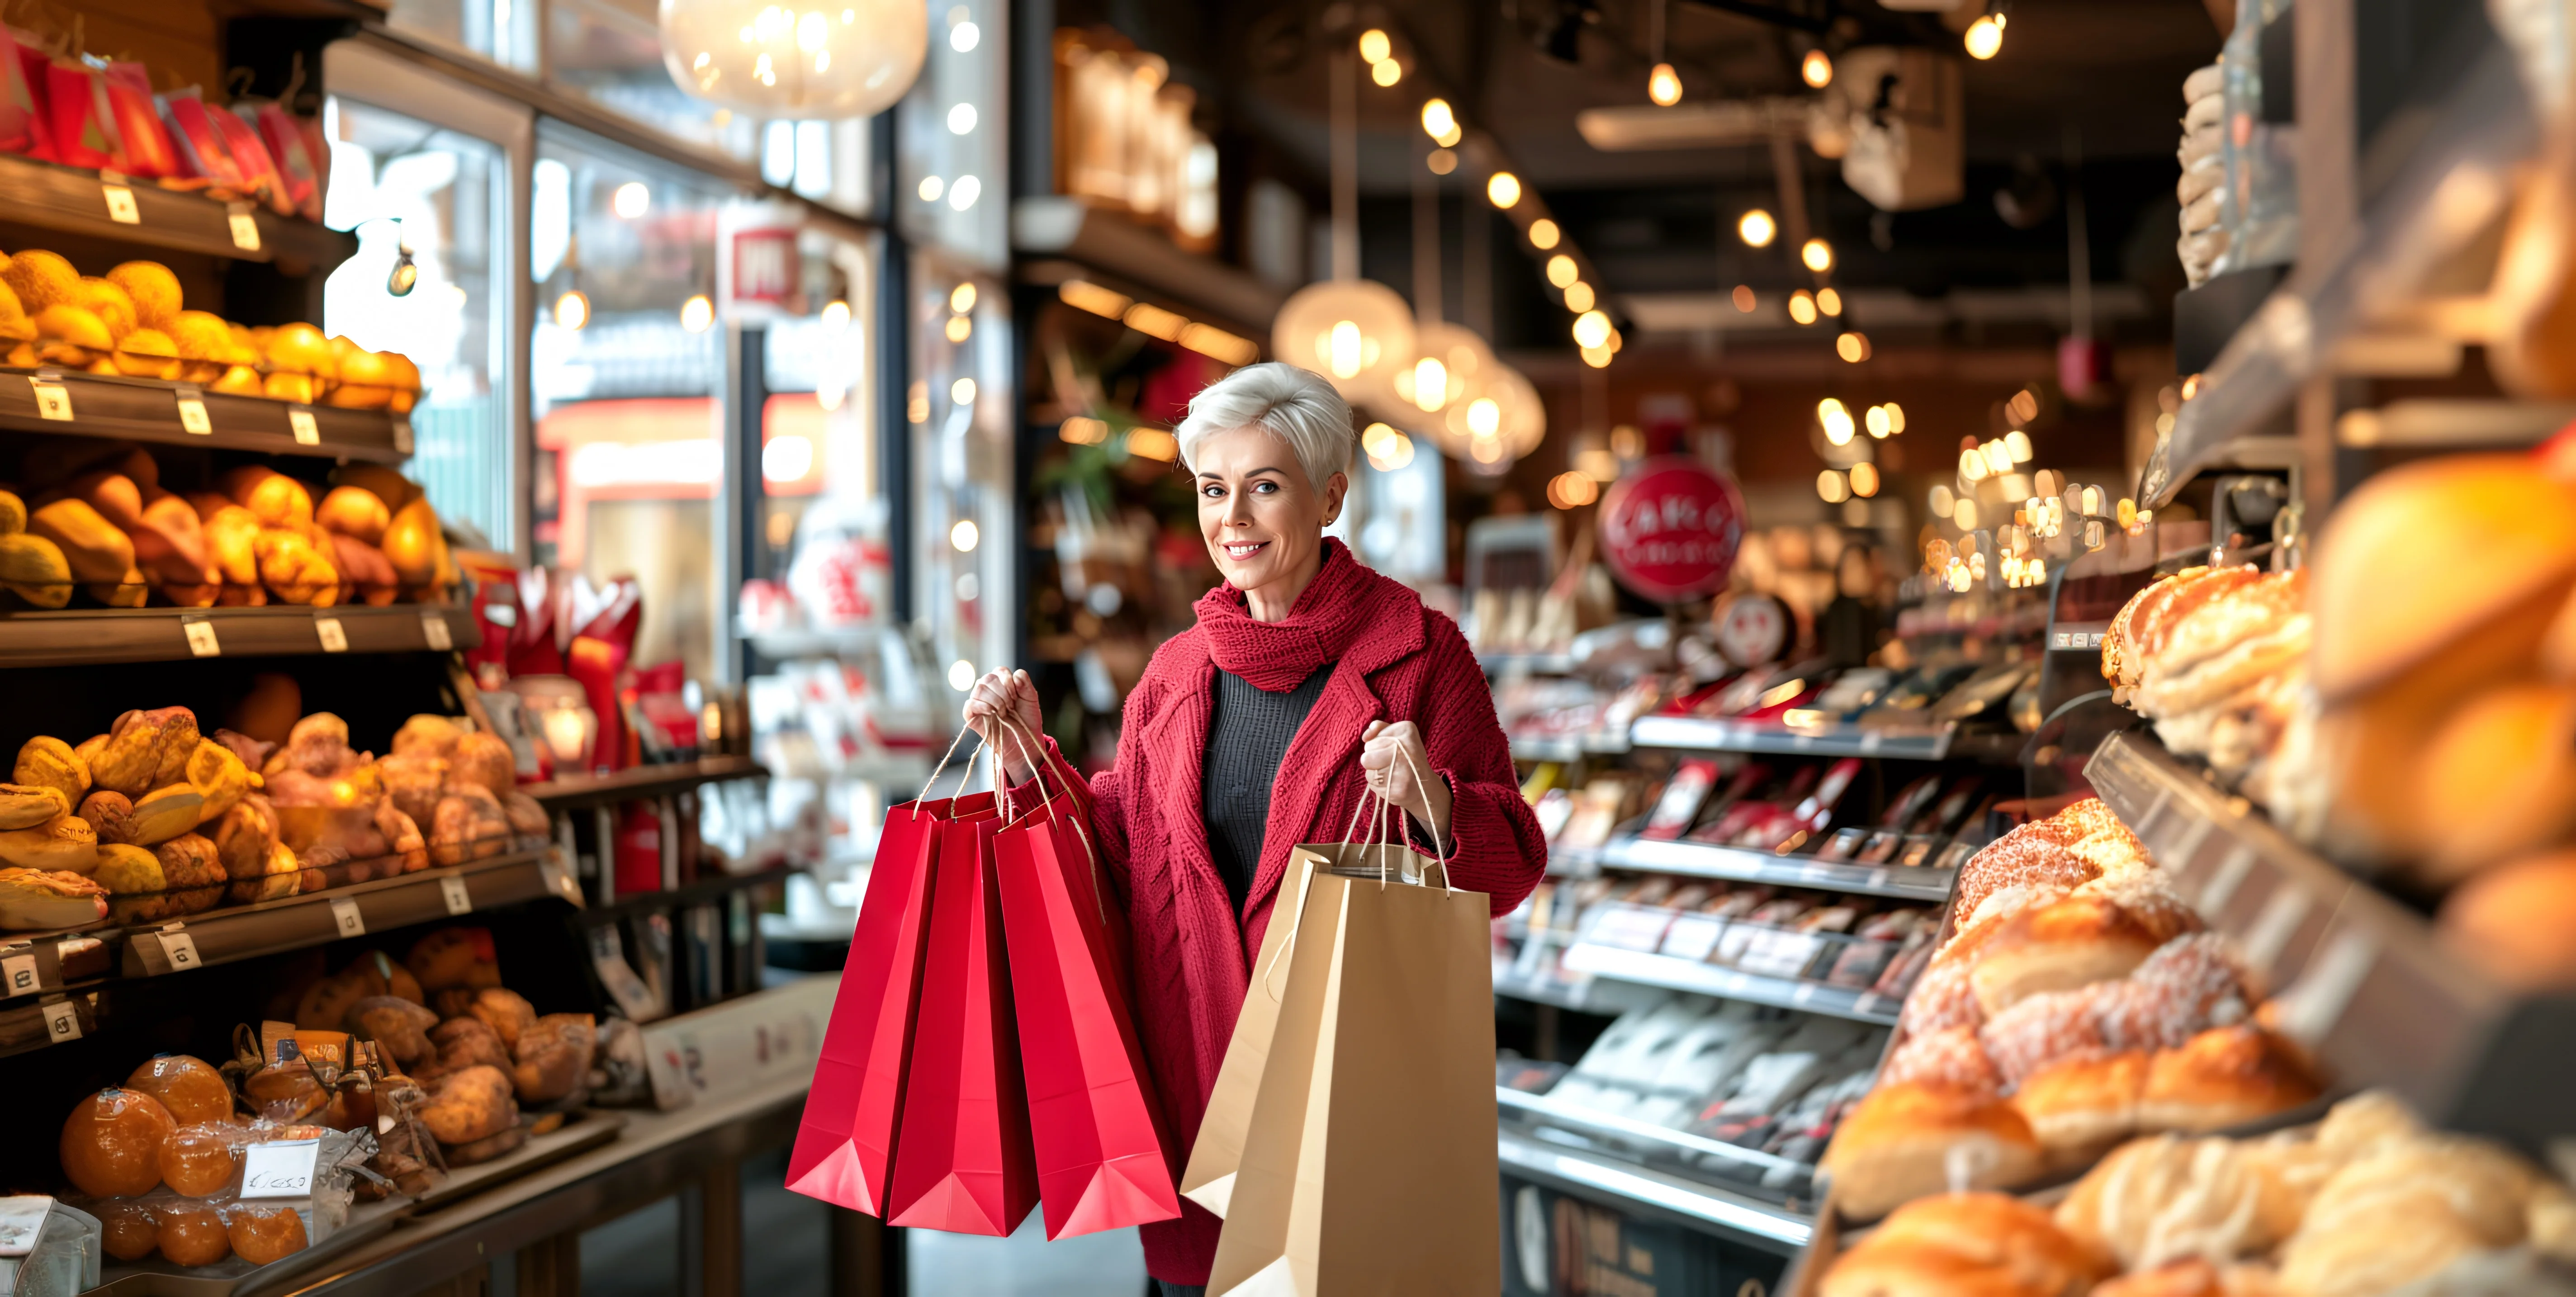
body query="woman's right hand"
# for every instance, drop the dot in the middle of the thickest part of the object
(1011, 696)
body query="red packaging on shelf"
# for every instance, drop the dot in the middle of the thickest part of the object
(285, 140)
(198, 141)
(127, 88)
(639, 849)
(259, 174)
(22, 101)
(84, 129)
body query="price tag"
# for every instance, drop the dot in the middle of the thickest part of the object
(300, 420)
(402, 434)
(345, 916)
(452, 888)
(433, 628)
(62, 1021)
(19, 976)
(334, 639)
(280, 1168)
(181, 950)
(53, 400)
(120, 205)
(201, 637)
(245, 229)
(192, 412)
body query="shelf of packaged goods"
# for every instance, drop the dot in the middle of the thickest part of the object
(640, 783)
(81, 636)
(1675, 974)
(1604, 1178)
(1742, 864)
(681, 898)
(147, 409)
(316, 918)
(1570, 747)
(1561, 994)
(1700, 734)
(2460, 150)
(2357, 977)
(2077, 636)
(1540, 1110)
(78, 200)
(1534, 664)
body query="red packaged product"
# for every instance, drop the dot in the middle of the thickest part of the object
(197, 140)
(259, 174)
(127, 88)
(22, 113)
(84, 129)
(285, 140)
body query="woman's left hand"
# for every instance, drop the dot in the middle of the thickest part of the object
(1399, 770)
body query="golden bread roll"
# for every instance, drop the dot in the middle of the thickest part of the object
(2517, 922)
(1967, 1243)
(198, 1160)
(2080, 1106)
(2501, 774)
(2163, 1198)
(2225, 1076)
(354, 511)
(2057, 947)
(469, 1104)
(1898, 1144)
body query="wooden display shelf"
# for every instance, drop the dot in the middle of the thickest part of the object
(77, 200)
(640, 783)
(84, 636)
(313, 919)
(149, 409)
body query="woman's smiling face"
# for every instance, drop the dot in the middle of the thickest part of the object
(1263, 520)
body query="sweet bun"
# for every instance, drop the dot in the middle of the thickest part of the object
(260, 1235)
(2083, 1105)
(2031, 856)
(2501, 774)
(2167, 1197)
(191, 1233)
(2404, 1213)
(192, 1091)
(198, 1160)
(1899, 1143)
(2057, 947)
(126, 1229)
(111, 1144)
(1967, 1243)
(2517, 922)
(2224, 1076)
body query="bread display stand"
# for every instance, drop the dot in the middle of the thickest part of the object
(583, 1129)
(1744, 865)
(155, 1277)
(148, 410)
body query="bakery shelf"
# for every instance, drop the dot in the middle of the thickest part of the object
(1535, 664)
(1544, 1111)
(640, 782)
(583, 1130)
(697, 893)
(1576, 996)
(1603, 1178)
(57, 1018)
(75, 200)
(147, 409)
(83, 636)
(1701, 734)
(313, 919)
(1675, 974)
(2358, 977)
(38, 965)
(155, 1277)
(2447, 192)
(1569, 747)
(1741, 864)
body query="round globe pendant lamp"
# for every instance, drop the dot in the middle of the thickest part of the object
(1500, 424)
(1356, 332)
(853, 58)
(1450, 366)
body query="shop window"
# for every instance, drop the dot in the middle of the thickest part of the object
(504, 31)
(611, 54)
(952, 190)
(414, 189)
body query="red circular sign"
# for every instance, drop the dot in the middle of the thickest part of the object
(1670, 528)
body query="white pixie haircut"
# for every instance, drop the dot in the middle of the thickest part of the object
(1297, 406)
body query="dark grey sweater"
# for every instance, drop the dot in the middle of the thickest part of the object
(1248, 735)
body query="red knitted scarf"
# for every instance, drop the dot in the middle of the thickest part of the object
(1344, 600)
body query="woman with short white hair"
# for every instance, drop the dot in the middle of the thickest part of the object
(1254, 730)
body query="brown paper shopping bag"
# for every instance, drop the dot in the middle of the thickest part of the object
(1367, 1164)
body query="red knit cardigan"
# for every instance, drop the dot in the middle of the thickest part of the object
(1192, 960)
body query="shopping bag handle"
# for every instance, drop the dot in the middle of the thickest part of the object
(1020, 738)
(935, 771)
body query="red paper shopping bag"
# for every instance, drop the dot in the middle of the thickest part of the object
(1097, 1131)
(846, 1140)
(963, 1161)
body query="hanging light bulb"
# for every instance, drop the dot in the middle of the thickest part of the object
(851, 60)
(1503, 190)
(1430, 383)
(1543, 234)
(697, 314)
(1374, 45)
(1356, 332)
(1802, 307)
(1386, 72)
(1816, 70)
(1664, 86)
(572, 310)
(1817, 255)
(1756, 228)
(1591, 329)
(405, 275)
(1985, 37)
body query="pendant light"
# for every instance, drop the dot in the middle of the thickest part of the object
(1353, 331)
(853, 58)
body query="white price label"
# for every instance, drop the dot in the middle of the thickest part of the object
(245, 230)
(201, 637)
(181, 950)
(18, 975)
(53, 400)
(402, 434)
(192, 414)
(120, 205)
(452, 888)
(300, 421)
(334, 639)
(433, 628)
(345, 916)
(62, 1022)
(279, 1169)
